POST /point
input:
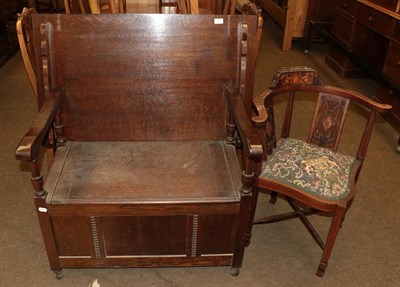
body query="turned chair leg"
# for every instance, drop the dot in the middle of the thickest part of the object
(274, 197)
(333, 231)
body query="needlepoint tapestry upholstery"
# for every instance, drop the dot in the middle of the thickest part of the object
(312, 169)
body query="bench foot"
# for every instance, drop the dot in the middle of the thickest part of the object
(59, 274)
(235, 271)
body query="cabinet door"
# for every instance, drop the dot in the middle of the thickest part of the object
(391, 68)
(369, 46)
(343, 28)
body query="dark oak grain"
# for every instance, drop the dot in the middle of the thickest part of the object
(136, 111)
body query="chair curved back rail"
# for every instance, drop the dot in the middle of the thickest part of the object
(310, 169)
(331, 106)
(25, 40)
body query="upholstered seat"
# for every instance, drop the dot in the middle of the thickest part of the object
(314, 170)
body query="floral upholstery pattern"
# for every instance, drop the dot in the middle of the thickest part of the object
(310, 168)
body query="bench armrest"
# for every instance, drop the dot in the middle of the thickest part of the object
(249, 135)
(29, 147)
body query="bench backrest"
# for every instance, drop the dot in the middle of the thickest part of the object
(144, 77)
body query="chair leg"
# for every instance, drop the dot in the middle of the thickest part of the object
(333, 231)
(302, 216)
(274, 197)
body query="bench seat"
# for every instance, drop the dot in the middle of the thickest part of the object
(140, 172)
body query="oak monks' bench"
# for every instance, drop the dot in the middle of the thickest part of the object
(139, 113)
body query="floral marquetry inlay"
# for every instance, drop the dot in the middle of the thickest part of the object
(295, 76)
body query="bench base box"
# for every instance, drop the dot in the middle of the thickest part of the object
(170, 234)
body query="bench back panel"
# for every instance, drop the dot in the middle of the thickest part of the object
(141, 77)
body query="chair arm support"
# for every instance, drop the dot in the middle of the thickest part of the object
(260, 119)
(29, 147)
(251, 141)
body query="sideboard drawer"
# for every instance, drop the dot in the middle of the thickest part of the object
(392, 63)
(375, 20)
(388, 4)
(347, 6)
